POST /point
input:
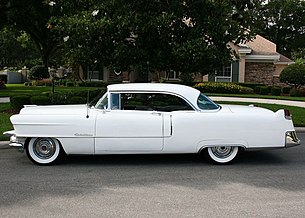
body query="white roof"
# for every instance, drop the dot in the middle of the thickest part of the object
(187, 92)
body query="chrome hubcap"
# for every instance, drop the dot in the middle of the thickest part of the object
(44, 148)
(222, 152)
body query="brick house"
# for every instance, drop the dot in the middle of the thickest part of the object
(258, 62)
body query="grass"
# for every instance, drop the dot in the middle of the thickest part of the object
(298, 113)
(5, 123)
(17, 89)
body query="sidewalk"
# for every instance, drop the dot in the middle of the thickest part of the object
(4, 100)
(260, 100)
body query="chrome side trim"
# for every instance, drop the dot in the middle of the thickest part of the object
(291, 139)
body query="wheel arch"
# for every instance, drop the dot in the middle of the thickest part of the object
(202, 146)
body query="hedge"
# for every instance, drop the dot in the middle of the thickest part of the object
(77, 100)
(225, 88)
(41, 100)
(18, 101)
(2, 85)
(297, 92)
(277, 91)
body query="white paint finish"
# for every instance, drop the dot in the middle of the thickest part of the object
(128, 145)
(188, 93)
(53, 125)
(260, 100)
(77, 145)
(129, 130)
(123, 131)
(129, 124)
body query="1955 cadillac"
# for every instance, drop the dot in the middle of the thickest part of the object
(149, 119)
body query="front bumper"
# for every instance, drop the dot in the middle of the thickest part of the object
(16, 142)
(291, 139)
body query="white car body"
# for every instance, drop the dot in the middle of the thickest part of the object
(79, 129)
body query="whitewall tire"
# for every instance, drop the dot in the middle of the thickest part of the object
(43, 151)
(222, 154)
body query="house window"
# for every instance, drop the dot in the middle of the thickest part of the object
(224, 75)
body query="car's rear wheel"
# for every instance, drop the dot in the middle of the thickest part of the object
(222, 154)
(43, 151)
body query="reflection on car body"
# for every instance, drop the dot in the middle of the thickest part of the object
(148, 119)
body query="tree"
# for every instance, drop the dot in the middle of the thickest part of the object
(16, 49)
(282, 22)
(185, 36)
(33, 18)
(294, 74)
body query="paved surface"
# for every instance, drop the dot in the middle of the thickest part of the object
(259, 184)
(260, 100)
(4, 100)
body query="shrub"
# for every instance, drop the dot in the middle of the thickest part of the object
(250, 85)
(2, 85)
(70, 84)
(43, 82)
(40, 100)
(64, 98)
(226, 88)
(38, 72)
(257, 89)
(99, 84)
(297, 92)
(294, 74)
(18, 101)
(276, 91)
(264, 90)
(77, 100)
(286, 90)
(3, 78)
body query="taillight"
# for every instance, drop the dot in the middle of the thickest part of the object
(287, 114)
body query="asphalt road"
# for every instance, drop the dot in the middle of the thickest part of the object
(259, 184)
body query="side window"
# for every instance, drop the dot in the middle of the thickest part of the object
(167, 103)
(153, 102)
(115, 101)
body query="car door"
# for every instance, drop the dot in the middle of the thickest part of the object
(128, 125)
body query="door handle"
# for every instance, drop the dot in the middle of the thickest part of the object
(156, 113)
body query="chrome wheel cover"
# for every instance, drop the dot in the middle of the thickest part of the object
(44, 148)
(223, 151)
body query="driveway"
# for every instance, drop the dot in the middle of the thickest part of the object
(259, 184)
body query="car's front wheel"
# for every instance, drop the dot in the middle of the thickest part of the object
(43, 151)
(222, 154)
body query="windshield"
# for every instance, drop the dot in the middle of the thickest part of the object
(205, 103)
(103, 102)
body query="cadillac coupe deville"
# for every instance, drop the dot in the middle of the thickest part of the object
(149, 119)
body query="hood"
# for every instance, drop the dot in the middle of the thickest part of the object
(54, 109)
(241, 109)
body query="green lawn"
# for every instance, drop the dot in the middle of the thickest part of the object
(5, 123)
(16, 89)
(298, 113)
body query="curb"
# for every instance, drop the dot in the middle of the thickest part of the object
(2, 143)
(300, 129)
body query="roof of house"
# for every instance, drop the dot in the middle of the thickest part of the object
(260, 48)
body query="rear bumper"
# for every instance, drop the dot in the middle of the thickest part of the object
(291, 139)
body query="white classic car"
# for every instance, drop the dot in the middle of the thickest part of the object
(149, 118)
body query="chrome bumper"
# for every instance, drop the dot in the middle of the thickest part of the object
(16, 142)
(291, 139)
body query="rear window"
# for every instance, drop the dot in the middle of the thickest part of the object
(205, 103)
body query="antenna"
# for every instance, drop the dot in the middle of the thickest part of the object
(88, 96)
